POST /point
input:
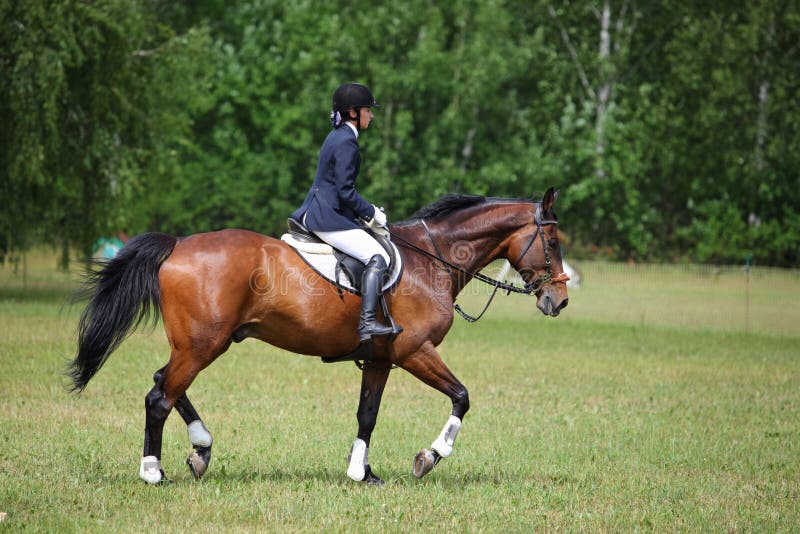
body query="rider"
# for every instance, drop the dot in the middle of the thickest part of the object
(333, 207)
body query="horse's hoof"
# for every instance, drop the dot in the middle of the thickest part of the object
(424, 462)
(196, 465)
(162, 481)
(370, 479)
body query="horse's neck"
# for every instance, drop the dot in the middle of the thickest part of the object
(472, 253)
(473, 243)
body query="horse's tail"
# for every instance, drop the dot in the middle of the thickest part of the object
(123, 293)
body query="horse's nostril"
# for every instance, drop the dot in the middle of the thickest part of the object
(545, 304)
(563, 304)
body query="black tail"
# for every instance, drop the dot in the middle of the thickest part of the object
(123, 293)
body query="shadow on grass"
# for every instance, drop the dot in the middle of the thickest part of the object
(334, 476)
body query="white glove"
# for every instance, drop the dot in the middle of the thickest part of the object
(379, 217)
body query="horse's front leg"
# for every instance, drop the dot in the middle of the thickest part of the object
(427, 365)
(373, 381)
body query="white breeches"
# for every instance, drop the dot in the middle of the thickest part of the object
(356, 243)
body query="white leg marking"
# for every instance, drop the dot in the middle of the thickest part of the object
(358, 460)
(444, 443)
(199, 434)
(150, 470)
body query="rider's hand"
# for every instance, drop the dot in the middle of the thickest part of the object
(379, 216)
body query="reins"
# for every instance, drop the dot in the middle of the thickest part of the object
(529, 288)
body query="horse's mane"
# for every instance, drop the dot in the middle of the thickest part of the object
(452, 203)
(447, 205)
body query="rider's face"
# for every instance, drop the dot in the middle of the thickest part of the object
(365, 118)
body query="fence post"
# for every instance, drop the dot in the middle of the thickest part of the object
(24, 272)
(747, 293)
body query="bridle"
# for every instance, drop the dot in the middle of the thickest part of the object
(548, 277)
(531, 287)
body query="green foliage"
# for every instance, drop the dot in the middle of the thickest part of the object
(672, 134)
(94, 98)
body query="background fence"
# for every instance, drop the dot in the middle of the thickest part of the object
(729, 298)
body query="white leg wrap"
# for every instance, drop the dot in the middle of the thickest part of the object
(444, 443)
(199, 434)
(358, 460)
(150, 470)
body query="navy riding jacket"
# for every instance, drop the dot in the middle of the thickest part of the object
(332, 202)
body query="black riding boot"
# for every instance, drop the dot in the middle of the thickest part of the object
(371, 284)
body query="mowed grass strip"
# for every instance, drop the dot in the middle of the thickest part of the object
(575, 425)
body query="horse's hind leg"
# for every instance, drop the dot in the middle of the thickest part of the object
(171, 384)
(427, 365)
(199, 436)
(156, 411)
(373, 381)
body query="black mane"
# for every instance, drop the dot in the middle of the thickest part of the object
(447, 205)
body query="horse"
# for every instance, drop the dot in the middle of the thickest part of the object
(213, 289)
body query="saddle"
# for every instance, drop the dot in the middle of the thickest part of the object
(340, 269)
(345, 272)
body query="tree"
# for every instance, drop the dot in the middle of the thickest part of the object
(670, 130)
(93, 98)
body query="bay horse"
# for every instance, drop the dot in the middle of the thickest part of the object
(212, 289)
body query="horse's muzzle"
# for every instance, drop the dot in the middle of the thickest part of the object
(551, 304)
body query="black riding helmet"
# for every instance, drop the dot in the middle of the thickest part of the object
(350, 96)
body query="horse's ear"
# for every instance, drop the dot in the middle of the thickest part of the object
(549, 199)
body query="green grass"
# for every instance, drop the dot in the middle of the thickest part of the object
(581, 423)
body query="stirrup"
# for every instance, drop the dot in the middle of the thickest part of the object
(375, 329)
(367, 336)
(396, 328)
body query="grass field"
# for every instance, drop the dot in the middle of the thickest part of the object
(588, 422)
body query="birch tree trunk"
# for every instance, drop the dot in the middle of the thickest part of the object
(604, 91)
(763, 97)
(600, 94)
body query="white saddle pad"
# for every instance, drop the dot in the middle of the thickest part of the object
(319, 257)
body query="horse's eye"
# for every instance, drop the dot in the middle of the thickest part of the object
(553, 243)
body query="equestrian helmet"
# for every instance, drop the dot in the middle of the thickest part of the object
(353, 95)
